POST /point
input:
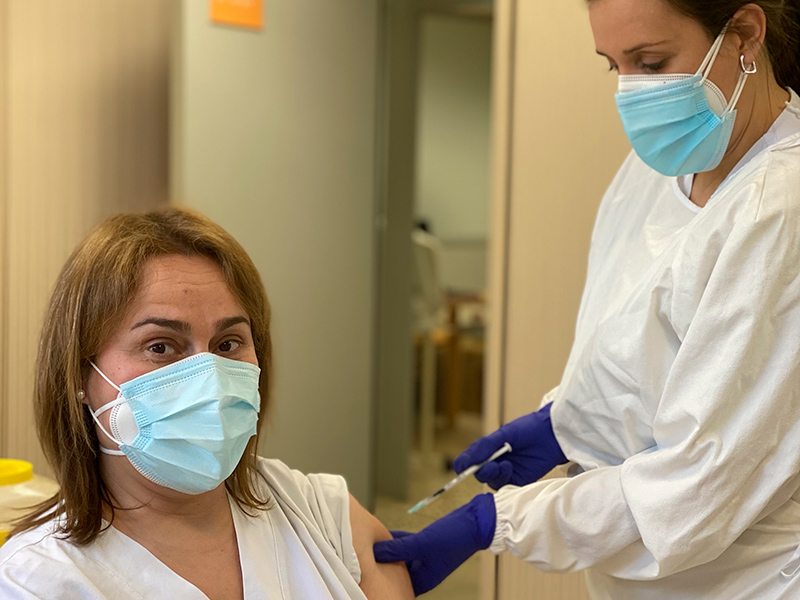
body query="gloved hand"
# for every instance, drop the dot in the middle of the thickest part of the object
(534, 452)
(436, 551)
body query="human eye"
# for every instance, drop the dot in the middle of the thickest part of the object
(229, 346)
(161, 349)
(652, 67)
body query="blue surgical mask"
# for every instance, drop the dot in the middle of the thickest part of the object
(679, 124)
(185, 426)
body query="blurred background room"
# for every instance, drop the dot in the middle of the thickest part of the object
(416, 181)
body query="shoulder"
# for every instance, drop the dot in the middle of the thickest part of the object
(779, 179)
(761, 203)
(290, 485)
(318, 502)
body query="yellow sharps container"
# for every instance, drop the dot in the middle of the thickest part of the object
(20, 491)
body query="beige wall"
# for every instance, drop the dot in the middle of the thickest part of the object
(3, 230)
(84, 136)
(273, 137)
(452, 173)
(557, 143)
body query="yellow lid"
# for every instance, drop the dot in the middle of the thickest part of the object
(15, 471)
(3, 535)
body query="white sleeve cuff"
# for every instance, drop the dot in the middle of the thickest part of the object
(503, 526)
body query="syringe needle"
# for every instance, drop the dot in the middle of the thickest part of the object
(458, 479)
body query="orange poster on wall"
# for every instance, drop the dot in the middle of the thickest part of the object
(240, 13)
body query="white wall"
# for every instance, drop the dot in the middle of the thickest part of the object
(83, 102)
(274, 138)
(452, 181)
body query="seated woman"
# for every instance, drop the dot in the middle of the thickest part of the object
(153, 374)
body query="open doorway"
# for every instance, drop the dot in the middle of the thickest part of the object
(446, 264)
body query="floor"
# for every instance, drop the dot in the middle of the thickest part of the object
(427, 474)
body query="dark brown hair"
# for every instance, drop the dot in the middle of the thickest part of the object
(95, 287)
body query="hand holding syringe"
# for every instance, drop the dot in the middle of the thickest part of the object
(461, 477)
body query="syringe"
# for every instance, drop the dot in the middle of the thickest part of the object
(459, 478)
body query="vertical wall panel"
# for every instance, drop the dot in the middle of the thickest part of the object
(497, 248)
(3, 235)
(397, 94)
(87, 88)
(557, 142)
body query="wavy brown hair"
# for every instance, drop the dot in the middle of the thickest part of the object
(94, 289)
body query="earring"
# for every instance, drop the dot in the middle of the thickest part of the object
(749, 70)
(81, 394)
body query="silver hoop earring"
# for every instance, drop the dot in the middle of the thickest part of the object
(748, 70)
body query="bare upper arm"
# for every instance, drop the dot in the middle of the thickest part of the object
(378, 581)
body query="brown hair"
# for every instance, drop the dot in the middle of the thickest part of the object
(94, 289)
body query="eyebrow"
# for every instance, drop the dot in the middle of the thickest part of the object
(179, 326)
(636, 48)
(184, 327)
(229, 322)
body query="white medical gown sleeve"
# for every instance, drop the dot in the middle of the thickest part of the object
(318, 502)
(727, 428)
(548, 397)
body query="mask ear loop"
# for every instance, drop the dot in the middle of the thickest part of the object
(104, 408)
(708, 64)
(711, 57)
(737, 92)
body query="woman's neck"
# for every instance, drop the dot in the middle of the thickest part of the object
(139, 503)
(756, 112)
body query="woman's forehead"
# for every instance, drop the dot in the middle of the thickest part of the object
(621, 24)
(183, 287)
(177, 269)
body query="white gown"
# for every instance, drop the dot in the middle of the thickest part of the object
(301, 548)
(680, 401)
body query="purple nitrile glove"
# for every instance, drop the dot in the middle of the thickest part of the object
(534, 452)
(440, 548)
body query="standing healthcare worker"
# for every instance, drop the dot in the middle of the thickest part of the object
(680, 403)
